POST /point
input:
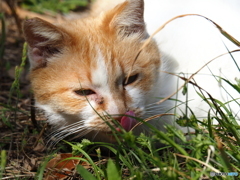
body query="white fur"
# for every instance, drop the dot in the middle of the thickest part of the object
(89, 115)
(138, 96)
(100, 82)
(54, 118)
(47, 33)
(100, 74)
(188, 43)
(191, 42)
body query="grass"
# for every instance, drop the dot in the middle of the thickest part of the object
(54, 6)
(212, 149)
(3, 162)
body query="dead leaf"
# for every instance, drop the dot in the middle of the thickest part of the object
(59, 169)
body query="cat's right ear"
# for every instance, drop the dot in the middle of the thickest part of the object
(126, 19)
(44, 41)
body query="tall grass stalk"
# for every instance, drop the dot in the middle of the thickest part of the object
(15, 87)
(3, 162)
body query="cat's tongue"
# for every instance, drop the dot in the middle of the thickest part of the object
(128, 122)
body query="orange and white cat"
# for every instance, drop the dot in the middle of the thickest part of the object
(79, 68)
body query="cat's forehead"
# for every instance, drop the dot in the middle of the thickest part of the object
(105, 68)
(99, 58)
(97, 51)
(100, 74)
(99, 68)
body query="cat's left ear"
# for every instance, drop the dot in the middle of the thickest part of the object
(127, 18)
(44, 41)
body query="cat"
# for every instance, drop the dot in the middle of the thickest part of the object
(79, 68)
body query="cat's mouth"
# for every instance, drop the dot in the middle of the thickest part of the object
(128, 121)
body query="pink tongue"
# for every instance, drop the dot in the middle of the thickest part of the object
(128, 122)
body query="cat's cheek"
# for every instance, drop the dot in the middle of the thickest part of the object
(86, 114)
(138, 99)
(55, 119)
(95, 123)
(93, 120)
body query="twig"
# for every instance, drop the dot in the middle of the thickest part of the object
(18, 176)
(12, 6)
(40, 135)
(22, 13)
(150, 118)
(210, 149)
(201, 162)
(33, 114)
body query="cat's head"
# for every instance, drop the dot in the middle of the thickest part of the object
(79, 69)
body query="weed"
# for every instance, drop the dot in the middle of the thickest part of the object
(3, 162)
(53, 6)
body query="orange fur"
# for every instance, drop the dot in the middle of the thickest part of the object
(79, 68)
(75, 50)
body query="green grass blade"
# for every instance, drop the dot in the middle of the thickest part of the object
(84, 173)
(3, 161)
(41, 169)
(234, 86)
(88, 158)
(112, 171)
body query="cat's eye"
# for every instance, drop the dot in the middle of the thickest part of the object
(84, 92)
(130, 80)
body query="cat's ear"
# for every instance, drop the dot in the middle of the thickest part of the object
(127, 18)
(44, 40)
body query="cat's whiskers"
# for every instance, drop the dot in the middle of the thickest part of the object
(80, 123)
(156, 108)
(155, 103)
(83, 133)
(153, 107)
(61, 133)
(153, 111)
(60, 136)
(94, 136)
